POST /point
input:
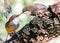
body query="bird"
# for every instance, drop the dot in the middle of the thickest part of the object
(12, 24)
(34, 9)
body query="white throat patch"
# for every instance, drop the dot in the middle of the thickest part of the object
(15, 21)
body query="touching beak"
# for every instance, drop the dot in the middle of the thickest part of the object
(27, 12)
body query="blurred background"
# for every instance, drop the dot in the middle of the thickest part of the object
(10, 7)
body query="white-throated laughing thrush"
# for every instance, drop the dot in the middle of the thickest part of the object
(12, 24)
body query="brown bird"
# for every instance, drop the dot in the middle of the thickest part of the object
(12, 24)
(34, 9)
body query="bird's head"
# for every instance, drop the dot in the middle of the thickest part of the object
(13, 17)
(40, 8)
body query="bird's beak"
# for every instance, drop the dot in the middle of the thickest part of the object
(18, 15)
(27, 12)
